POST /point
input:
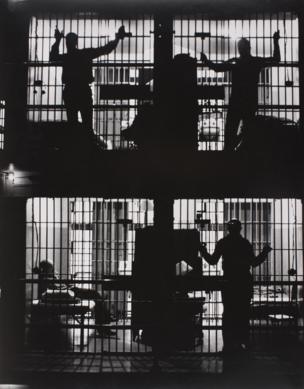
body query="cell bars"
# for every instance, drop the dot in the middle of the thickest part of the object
(278, 282)
(79, 255)
(278, 89)
(131, 64)
(122, 79)
(2, 123)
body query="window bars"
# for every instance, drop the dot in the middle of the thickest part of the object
(84, 246)
(278, 88)
(90, 243)
(131, 64)
(279, 280)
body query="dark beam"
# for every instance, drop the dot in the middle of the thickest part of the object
(120, 7)
(12, 270)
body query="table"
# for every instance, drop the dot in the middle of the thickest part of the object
(77, 309)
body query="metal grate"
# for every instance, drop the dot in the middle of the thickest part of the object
(131, 64)
(278, 222)
(278, 91)
(90, 243)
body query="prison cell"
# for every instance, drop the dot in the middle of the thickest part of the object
(278, 90)
(278, 282)
(2, 123)
(91, 242)
(132, 64)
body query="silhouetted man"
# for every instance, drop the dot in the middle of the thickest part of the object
(238, 258)
(244, 94)
(77, 74)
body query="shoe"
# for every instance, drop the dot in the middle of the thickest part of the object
(244, 347)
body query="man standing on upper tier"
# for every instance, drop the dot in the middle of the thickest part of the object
(77, 74)
(245, 72)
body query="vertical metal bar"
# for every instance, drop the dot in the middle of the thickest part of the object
(275, 215)
(12, 275)
(301, 64)
(302, 249)
(163, 34)
(34, 249)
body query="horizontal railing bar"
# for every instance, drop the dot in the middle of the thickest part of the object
(132, 64)
(129, 281)
(100, 106)
(94, 64)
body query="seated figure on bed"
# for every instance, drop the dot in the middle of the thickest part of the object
(46, 277)
(238, 258)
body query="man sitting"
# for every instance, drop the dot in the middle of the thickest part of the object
(46, 277)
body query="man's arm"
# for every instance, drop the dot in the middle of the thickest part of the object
(276, 57)
(54, 54)
(110, 46)
(276, 49)
(260, 258)
(217, 67)
(212, 259)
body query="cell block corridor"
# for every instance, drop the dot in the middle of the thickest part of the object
(123, 80)
(278, 86)
(94, 269)
(79, 255)
(277, 299)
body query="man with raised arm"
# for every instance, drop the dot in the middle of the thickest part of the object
(238, 258)
(245, 71)
(77, 74)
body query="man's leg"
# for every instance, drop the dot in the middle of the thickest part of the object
(244, 317)
(231, 128)
(248, 117)
(228, 319)
(86, 109)
(70, 102)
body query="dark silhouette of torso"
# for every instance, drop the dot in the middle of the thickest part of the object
(77, 67)
(237, 254)
(245, 77)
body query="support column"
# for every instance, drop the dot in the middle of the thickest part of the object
(163, 53)
(3, 16)
(16, 54)
(163, 213)
(12, 272)
(163, 36)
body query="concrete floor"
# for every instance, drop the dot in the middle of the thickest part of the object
(275, 361)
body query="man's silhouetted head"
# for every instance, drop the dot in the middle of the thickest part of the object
(71, 40)
(244, 47)
(45, 269)
(234, 227)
